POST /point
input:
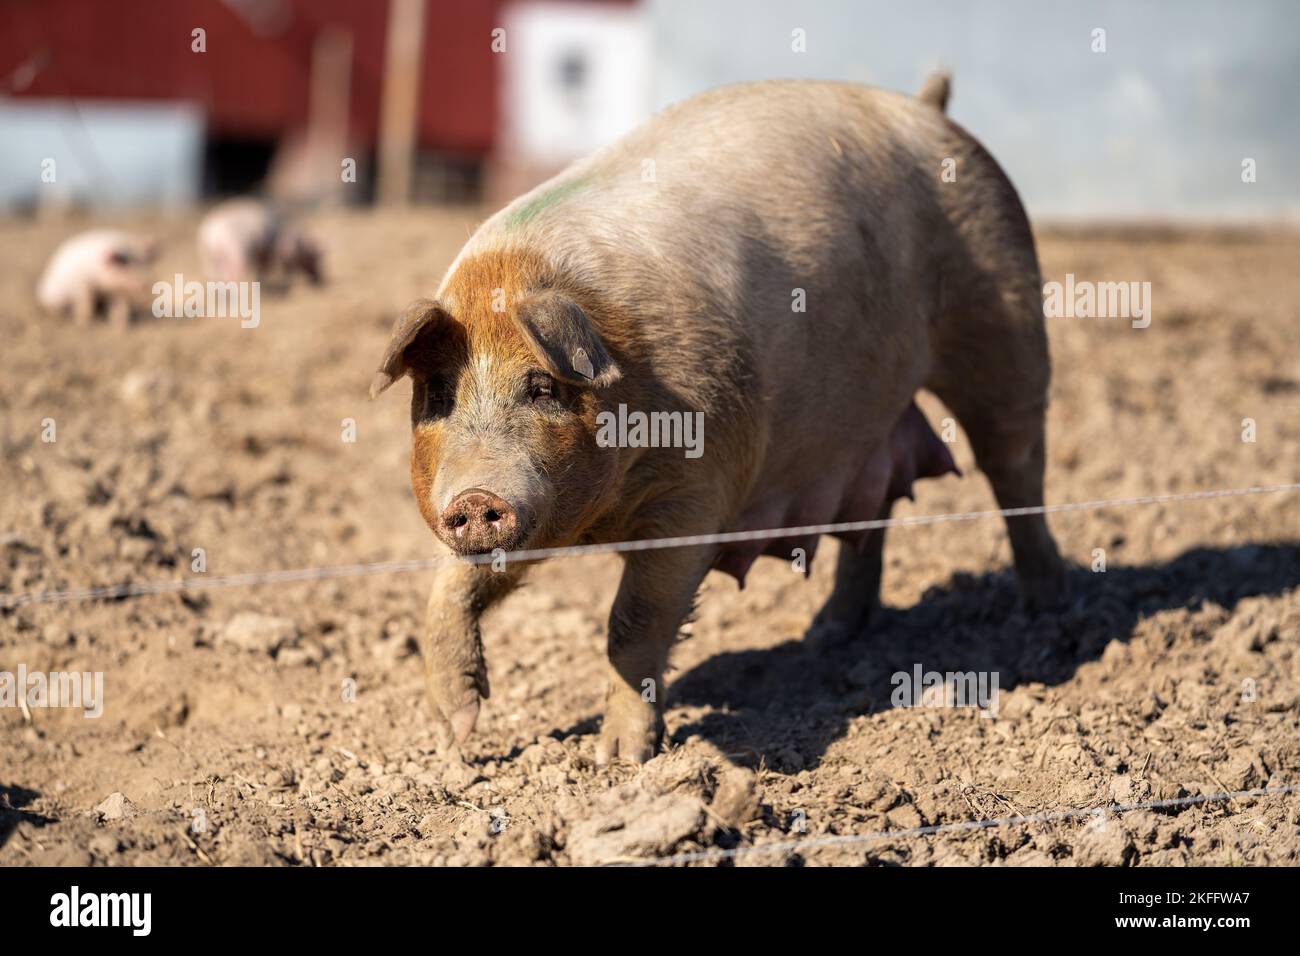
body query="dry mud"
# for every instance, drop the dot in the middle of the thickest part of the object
(228, 737)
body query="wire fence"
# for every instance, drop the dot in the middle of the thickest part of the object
(1099, 814)
(123, 591)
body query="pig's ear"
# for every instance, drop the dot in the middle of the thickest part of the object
(419, 315)
(560, 333)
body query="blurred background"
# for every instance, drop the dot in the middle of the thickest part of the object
(176, 102)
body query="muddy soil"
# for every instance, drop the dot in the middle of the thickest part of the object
(284, 723)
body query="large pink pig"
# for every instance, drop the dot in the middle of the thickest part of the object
(769, 272)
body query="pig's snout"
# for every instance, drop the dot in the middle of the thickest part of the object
(477, 522)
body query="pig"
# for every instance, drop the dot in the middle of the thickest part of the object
(246, 239)
(102, 271)
(786, 258)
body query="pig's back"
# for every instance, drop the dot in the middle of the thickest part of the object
(785, 237)
(714, 183)
(241, 223)
(718, 208)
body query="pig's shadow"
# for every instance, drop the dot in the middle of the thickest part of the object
(788, 703)
(12, 801)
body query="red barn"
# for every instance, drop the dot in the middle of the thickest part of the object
(253, 80)
(250, 67)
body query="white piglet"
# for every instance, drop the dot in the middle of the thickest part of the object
(100, 272)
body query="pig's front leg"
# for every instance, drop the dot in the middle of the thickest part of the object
(455, 673)
(83, 307)
(119, 313)
(654, 598)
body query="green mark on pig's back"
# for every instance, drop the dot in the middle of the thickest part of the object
(531, 209)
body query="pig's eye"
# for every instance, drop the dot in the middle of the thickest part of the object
(541, 387)
(432, 398)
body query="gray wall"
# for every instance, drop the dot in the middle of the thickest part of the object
(1157, 126)
(103, 153)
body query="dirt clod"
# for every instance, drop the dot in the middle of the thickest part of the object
(259, 633)
(116, 806)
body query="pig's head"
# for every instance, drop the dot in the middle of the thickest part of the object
(297, 251)
(125, 269)
(503, 411)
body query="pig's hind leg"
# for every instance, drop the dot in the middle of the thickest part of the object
(913, 452)
(994, 377)
(1012, 458)
(856, 595)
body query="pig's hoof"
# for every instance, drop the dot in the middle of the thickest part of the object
(831, 628)
(825, 632)
(632, 738)
(1045, 591)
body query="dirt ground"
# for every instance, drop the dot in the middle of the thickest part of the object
(234, 739)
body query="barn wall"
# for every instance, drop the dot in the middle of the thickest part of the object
(252, 86)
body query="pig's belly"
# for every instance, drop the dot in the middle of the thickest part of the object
(836, 492)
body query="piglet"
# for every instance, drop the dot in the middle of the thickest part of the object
(103, 271)
(243, 240)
